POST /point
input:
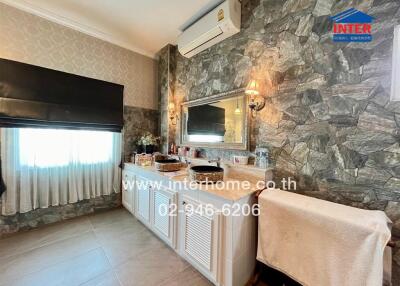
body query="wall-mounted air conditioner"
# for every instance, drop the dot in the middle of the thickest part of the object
(217, 25)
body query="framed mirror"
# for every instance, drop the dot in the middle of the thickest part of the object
(219, 121)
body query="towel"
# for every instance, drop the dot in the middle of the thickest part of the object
(317, 242)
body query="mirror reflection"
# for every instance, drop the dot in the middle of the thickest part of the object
(221, 121)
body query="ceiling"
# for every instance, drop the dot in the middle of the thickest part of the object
(143, 26)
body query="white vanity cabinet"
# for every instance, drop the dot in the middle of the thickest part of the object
(128, 191)
(143, 193)
(164, 214)
(222, 247)
(201, 237)
(156, 208)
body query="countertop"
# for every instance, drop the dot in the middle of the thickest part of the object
(233, 188)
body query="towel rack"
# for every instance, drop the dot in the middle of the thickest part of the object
(391, 243)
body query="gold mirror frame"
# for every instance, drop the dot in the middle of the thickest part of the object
(210, 99)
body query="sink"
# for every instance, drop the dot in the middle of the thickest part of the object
(206, 174)
(206, 169)
(168, 165)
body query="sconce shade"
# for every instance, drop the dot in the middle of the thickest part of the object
(252, 88)
(172, 114)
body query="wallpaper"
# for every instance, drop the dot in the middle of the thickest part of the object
(28, 38)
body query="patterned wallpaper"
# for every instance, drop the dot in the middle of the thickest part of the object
(28, 38)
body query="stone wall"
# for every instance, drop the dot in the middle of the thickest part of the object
(328, 119)
(166, 83)
(39, 217)
(137, 121)
(163, 89)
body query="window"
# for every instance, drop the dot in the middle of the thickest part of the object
(206, 138)
(58, 147)
(51, 167)
(395, 96)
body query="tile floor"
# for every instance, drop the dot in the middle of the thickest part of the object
(107, 249)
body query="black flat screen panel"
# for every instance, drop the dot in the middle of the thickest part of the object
(206, 120)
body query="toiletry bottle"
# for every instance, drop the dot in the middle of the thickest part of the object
(263, 160)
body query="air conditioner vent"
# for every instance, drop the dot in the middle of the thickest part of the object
(217, 25)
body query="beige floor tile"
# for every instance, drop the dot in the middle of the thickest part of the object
(72, 272)
(110, 232)
(107, 249)
(46, 256)
(111, 217)
(25, 241)
(151, 268)
(107, 279)
(188, 277)
(129, 245)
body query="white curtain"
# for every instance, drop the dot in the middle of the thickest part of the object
(51, 167)
(395, 96)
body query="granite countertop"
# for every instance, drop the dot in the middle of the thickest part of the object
(233, 187)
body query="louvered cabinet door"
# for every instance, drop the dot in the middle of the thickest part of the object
(201, 239)
(128, 188)
(164, 215)
(143, 192)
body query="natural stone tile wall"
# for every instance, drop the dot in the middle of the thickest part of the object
(166, 83)
(36, 218)
(137, 121)
(328, 119)
(163, 89)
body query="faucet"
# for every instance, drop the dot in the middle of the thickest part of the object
(216, 160)
(185, 160)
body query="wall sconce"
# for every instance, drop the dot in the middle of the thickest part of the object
(172, 114)
(237, 109)
(257, 102)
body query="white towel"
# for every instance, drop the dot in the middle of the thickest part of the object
(319, 243)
